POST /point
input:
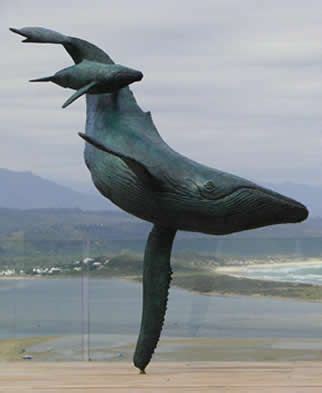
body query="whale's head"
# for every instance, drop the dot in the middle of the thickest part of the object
(120, 76)
(220, 203)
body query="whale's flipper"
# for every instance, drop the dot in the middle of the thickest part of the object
(139, 168)
(156, 282)
(79, 93)
(78, 49)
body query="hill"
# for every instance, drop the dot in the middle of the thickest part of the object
(25, 190)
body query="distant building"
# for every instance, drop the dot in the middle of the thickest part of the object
(86, 261)
(54, 270)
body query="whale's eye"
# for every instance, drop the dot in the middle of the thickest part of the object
(209, 186)
(208, 190)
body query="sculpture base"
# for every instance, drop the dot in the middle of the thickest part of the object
(242, 377)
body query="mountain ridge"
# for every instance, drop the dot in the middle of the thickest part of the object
(26, 190)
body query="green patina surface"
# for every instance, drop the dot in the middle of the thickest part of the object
(131, 165)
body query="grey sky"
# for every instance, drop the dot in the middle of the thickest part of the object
(233, 84)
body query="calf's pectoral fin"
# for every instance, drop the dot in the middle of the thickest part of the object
(140, 170)
(156, 283)
(83, 90)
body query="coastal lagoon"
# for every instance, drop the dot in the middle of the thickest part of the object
(87, 315)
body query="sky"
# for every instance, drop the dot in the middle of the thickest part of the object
(236, 85)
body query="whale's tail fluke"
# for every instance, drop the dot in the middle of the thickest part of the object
(40, 35)
(77, 48)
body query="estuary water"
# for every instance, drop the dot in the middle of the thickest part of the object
(81, 306)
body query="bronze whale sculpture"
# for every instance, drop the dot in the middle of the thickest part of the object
(131, 165)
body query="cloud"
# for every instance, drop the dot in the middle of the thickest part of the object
(237, 86)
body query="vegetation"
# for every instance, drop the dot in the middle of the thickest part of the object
(58, 241)
(223, 284)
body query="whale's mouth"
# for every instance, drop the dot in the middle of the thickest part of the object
(138, 76)
(281, 206)
(299, 213)
(286, 209)
(257, 201)
(250, 208)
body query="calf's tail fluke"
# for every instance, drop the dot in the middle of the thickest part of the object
(156, 282)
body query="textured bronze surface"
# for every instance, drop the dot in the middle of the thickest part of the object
(132, 166)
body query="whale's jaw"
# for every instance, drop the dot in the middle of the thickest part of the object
(298, 214)
(244, 209)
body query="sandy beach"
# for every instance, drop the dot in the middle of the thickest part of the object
(238, 270)
(198, 377)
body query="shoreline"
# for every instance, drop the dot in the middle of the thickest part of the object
(226, 282)
(177, 349)
(256, 265)
(17, 277)
(13, 349)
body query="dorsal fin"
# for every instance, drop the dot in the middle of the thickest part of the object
(141, 171)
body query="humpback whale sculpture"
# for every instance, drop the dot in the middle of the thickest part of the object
(131, 165)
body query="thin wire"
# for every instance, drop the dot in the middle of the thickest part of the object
(88, 309)
(82, 316)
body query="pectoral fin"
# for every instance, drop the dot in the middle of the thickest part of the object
(83, 90)
(141, 171)
(156, 283)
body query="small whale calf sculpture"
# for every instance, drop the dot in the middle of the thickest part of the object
(132, 166)
(93, 78)
(87, 77)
